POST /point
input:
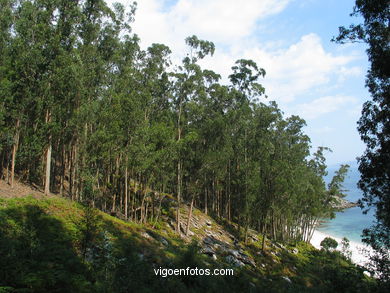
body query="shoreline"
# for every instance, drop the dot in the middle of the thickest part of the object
(359, 250)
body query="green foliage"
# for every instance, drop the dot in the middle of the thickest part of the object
(40, 252)
(75, 81)
(132, 135)
(335, 186)
(37, 252)
(345, 246)
(89, 230)
(374, 125)
(329, 244)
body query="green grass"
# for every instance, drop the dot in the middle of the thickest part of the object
(56, 245)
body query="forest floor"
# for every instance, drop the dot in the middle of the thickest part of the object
(19, 190)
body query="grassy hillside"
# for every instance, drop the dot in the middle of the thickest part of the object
(54, 245)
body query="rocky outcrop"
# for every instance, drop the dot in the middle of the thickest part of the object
(342, 204)
(234, 261)
(214, 248)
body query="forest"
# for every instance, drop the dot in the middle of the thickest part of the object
(88, 114)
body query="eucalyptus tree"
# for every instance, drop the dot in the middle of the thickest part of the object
(15, 76)
(206, 156)
(246, 91)
(292, 152)
(262, 147)
(155, 126)
(6, 141)
(335, 187)
(98, 46)
(316, 202)
(93, 109)
(188, 83)
(33, 51)
(216, 146)
(158, 113)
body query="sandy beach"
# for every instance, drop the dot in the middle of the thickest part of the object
(357, 249)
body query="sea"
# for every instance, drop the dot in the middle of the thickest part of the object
(350, 222)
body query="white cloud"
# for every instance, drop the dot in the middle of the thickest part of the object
(300, 68)
(324, 105)
(224, 21)
(346, 72)
(221, 21)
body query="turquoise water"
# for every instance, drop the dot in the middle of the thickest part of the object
(351, 222)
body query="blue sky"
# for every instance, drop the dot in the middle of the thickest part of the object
(307, 74)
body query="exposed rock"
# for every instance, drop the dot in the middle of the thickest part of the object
(247, 260)
(232, 260)
(287, 279)
(234, 253)
(209, 240)
(279, 245)
(224, 249)
(208, 251)
(146, 235)
(342, 204)
(164, 241)
(242, 257)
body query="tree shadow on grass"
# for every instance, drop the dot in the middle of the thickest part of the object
(37, 253)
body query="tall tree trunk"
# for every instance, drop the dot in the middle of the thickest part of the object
(190, 215)
(63, 164)
(178, 197)
(126, 188)
(115, 184)
(143, 208)
(14, 150)
(229, 194)
(48, 158)
(263, 241)
(47, 173)
(179, 175)
(113, 203)
(205, 200)
(159, 208)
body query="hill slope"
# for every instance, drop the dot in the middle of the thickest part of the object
(51, 244)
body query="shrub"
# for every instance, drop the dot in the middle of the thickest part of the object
(329, 244)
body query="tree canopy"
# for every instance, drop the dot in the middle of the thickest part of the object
(374, 124)
(87, 113)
